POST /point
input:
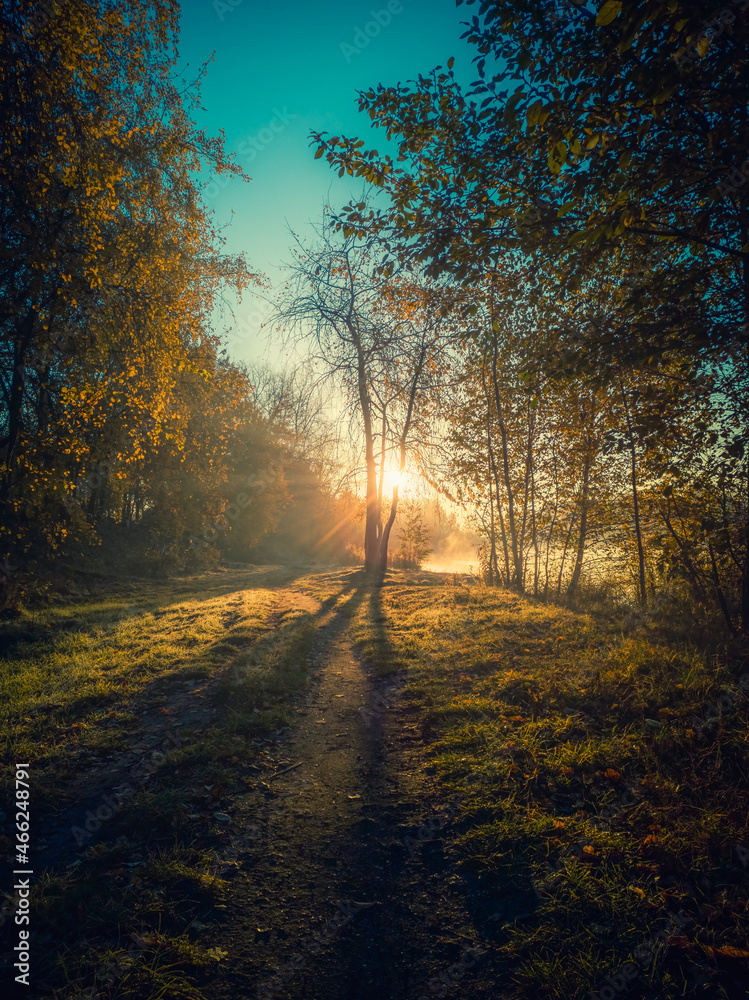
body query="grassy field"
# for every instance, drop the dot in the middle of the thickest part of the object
(603, 773)
(85, 686)
(598, 773)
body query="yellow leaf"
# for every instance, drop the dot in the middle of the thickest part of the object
(609, 10)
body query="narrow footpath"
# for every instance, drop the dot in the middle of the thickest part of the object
(341, 886)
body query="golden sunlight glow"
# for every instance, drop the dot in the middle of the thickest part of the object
(407, 482)
(393, 479)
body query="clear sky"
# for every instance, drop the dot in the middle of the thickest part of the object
(282, 69)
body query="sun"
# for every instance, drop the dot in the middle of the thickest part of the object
(395, 478)
(405, 481)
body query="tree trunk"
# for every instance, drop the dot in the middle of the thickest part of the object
(517, 579)
(15, 402)
(697, 588)
(745, 569)
(500, 515)
(383, 431)
(550, 537)
(492, 537)
(382, 560)
(584, 504)
(636, 506)
(372, 516)
(534, 525)
(526, 495)
(385, 541)
(564, 552)
(719, 589)
(584, 501)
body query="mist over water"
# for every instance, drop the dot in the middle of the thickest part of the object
(439, 564)
(454, 552)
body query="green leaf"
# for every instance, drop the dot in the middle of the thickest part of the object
(517, 96)
(576, 238)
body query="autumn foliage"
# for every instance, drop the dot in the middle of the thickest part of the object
(116, 399)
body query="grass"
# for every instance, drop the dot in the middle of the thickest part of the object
(73, 692)
(65, 680)
(163, 894)
(594, 805)
(582, 777)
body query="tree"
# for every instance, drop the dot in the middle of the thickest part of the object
(380, 343)
(611, 143)
(415, 543)
(108, 272)
(586, 139)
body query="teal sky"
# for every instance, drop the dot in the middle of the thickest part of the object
(281, 70)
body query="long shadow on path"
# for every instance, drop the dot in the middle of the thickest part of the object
(337, 895)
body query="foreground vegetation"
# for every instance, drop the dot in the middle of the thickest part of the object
(592, 767)
(593, 764)
(97, 697)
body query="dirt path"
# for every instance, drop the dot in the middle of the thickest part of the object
(336, 846)
(335, 893)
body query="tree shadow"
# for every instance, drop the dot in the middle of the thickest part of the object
(434, 925)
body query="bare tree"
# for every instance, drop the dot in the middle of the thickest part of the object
(375, 339)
